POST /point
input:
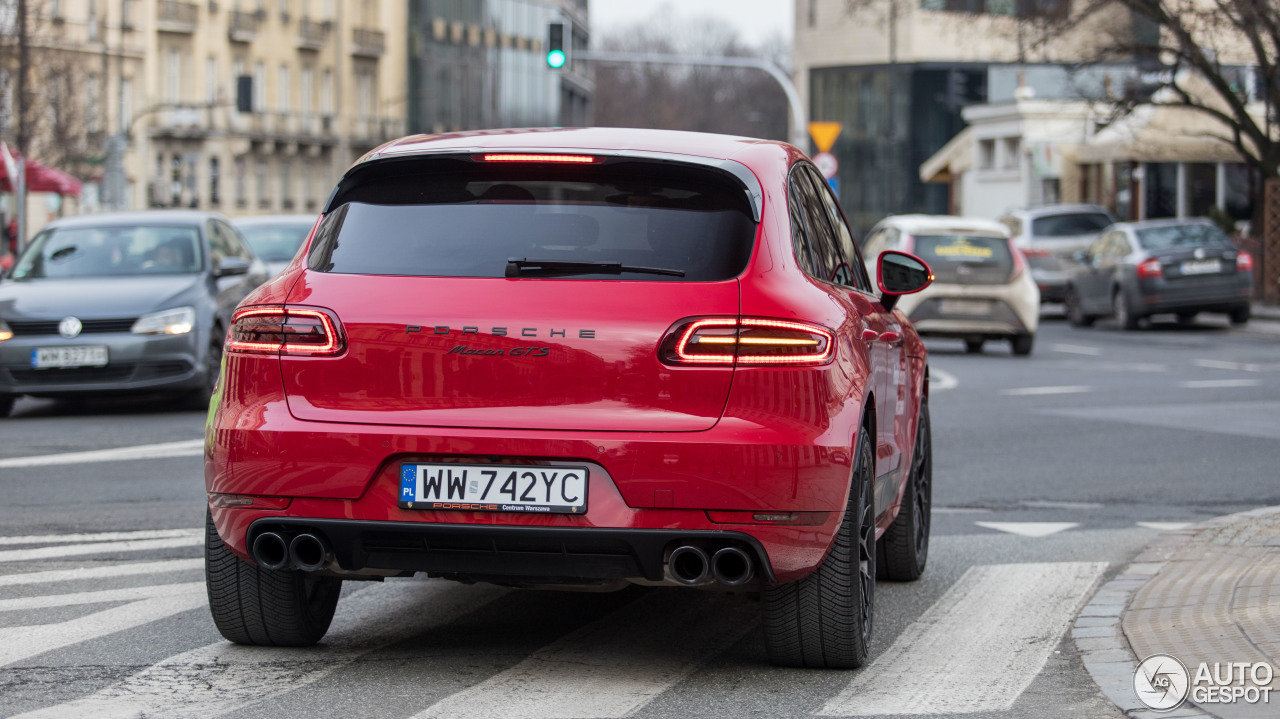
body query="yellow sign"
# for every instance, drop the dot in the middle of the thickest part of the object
(962, 248)
(824, 134)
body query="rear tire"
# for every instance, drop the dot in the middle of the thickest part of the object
(252, 605)
(973, 347)
(1240, 316)
(1122, 311)
(6, 405)
(823, 621)
(1022, 344)
(905, 544)
(1075, 313)
(1186, 319)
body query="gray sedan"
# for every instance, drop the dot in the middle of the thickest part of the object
(1183, 267)
(275, 238)
(122, 303)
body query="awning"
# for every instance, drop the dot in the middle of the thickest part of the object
(41, 179)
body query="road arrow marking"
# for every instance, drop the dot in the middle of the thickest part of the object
(940, 381)
(1029, 529)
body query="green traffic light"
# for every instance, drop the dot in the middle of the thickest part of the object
(555, 59)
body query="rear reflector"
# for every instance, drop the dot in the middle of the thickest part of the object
(287, 330)
(800, 519)
(1150, 268)
(522, 157)
(1244, 262)
(749, 341)
(245, 501)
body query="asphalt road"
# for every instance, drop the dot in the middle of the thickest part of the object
(1051, 472)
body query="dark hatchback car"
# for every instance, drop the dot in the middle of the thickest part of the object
(1139, 269)
(122, 303)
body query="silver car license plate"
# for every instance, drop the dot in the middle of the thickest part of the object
(50, 357)
(1201, 267)
(964, 307)
(539, 489)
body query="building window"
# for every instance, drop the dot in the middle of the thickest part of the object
(261, 171)
(285, 87)
(365, 96)
(326, 92)
(308, 80)
(242, 192)
(173, 76)
(1012, 150)
(214, 177)
(986, 154)
(93, 98)
(286, 184)
(211, 80)
(259, 87)
(126, 103)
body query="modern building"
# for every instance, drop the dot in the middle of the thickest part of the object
(897, 74)
(479, 64)
(155, 87)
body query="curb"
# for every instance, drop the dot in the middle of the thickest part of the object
(1098, 634)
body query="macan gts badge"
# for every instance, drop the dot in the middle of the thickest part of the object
(580, 359)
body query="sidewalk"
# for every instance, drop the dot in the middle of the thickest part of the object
(1208, 594)
(1269, 313)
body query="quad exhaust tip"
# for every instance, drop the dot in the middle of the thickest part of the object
(689, 565)
(270, 551)
(309, 553)
(731, 567)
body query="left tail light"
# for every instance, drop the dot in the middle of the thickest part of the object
(1150, 268)
(729, 341)
(286, 330)
(1244, 262)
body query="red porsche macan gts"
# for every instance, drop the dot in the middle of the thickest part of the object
(565, 358)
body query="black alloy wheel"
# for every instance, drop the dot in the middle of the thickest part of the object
(1240, 315)
(1122, 311)
(905, 544)
(824, 620)
(973, 347)
(6, 404)
(1075, 312)
(1021, 344)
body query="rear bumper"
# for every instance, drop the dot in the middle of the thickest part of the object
(1218, 295)
(541, 555)
(1014, 310)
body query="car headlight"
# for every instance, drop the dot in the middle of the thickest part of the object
(5, 332)
(177, 321)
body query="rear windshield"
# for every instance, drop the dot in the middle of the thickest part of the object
(628, 220)
(942, 251)
(1163, 238)
(1069, 225)
(111, 251)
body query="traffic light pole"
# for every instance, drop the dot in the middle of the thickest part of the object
(799, 120)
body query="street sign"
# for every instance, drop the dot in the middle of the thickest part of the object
(824, 134)
(827, 164)
(834, 182)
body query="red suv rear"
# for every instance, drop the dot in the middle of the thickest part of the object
(574, 358)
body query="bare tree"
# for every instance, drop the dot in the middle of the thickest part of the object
(706, 99)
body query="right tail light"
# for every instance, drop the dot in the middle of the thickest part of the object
(730, 341)
(1149, 269)
(286, 330)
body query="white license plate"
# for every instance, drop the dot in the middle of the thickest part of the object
(1202, 268)
(494, 488)
(964, 307)
(46, 357)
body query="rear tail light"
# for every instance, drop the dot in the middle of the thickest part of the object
(1149, 269)
(1244, 262)
(527, 157)
(286, 330)
(1031, 252)
(1019, 263)
(749, 341)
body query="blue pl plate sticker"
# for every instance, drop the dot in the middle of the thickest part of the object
(408, 480)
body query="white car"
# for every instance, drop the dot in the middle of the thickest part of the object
(982, 289)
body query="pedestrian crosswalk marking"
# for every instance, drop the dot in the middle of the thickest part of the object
(1029, 529)
(978, 647)
(102, 596)
(117, 570)
(184, 448)
(80, 538)
(71, 550)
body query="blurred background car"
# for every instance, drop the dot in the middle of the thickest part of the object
(981, 289)
(1138, 269)
(1049, 237)
(122, 303)
(275, 239)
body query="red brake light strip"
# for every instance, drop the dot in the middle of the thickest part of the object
(521, 157)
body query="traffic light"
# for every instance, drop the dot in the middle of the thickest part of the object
(557, 56)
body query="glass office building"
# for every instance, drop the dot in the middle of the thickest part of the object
(478, 64)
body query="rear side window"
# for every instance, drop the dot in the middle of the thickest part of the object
(628, 220)
(1069, 225)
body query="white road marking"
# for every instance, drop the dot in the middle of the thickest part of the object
(1034, 391)
(19, 643)
(1029, 529)
(1165, 526)
(1237, 366)
(101, 536)
(184, 448)
(611, 668)
(960, 510)
(1218, 383)
(73, 550)
(1077, 350)
(1052, 504)
(940, 381)
(220, 678)
(118, 570)
(978, 647)
(102, 596)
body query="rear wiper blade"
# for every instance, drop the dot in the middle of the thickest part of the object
(517, 266)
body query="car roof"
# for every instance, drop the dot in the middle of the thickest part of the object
(917, 223)
(145, 217)
(679, 142)
(273, 219)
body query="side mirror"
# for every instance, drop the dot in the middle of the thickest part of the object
(899, 273)
(230, 266)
